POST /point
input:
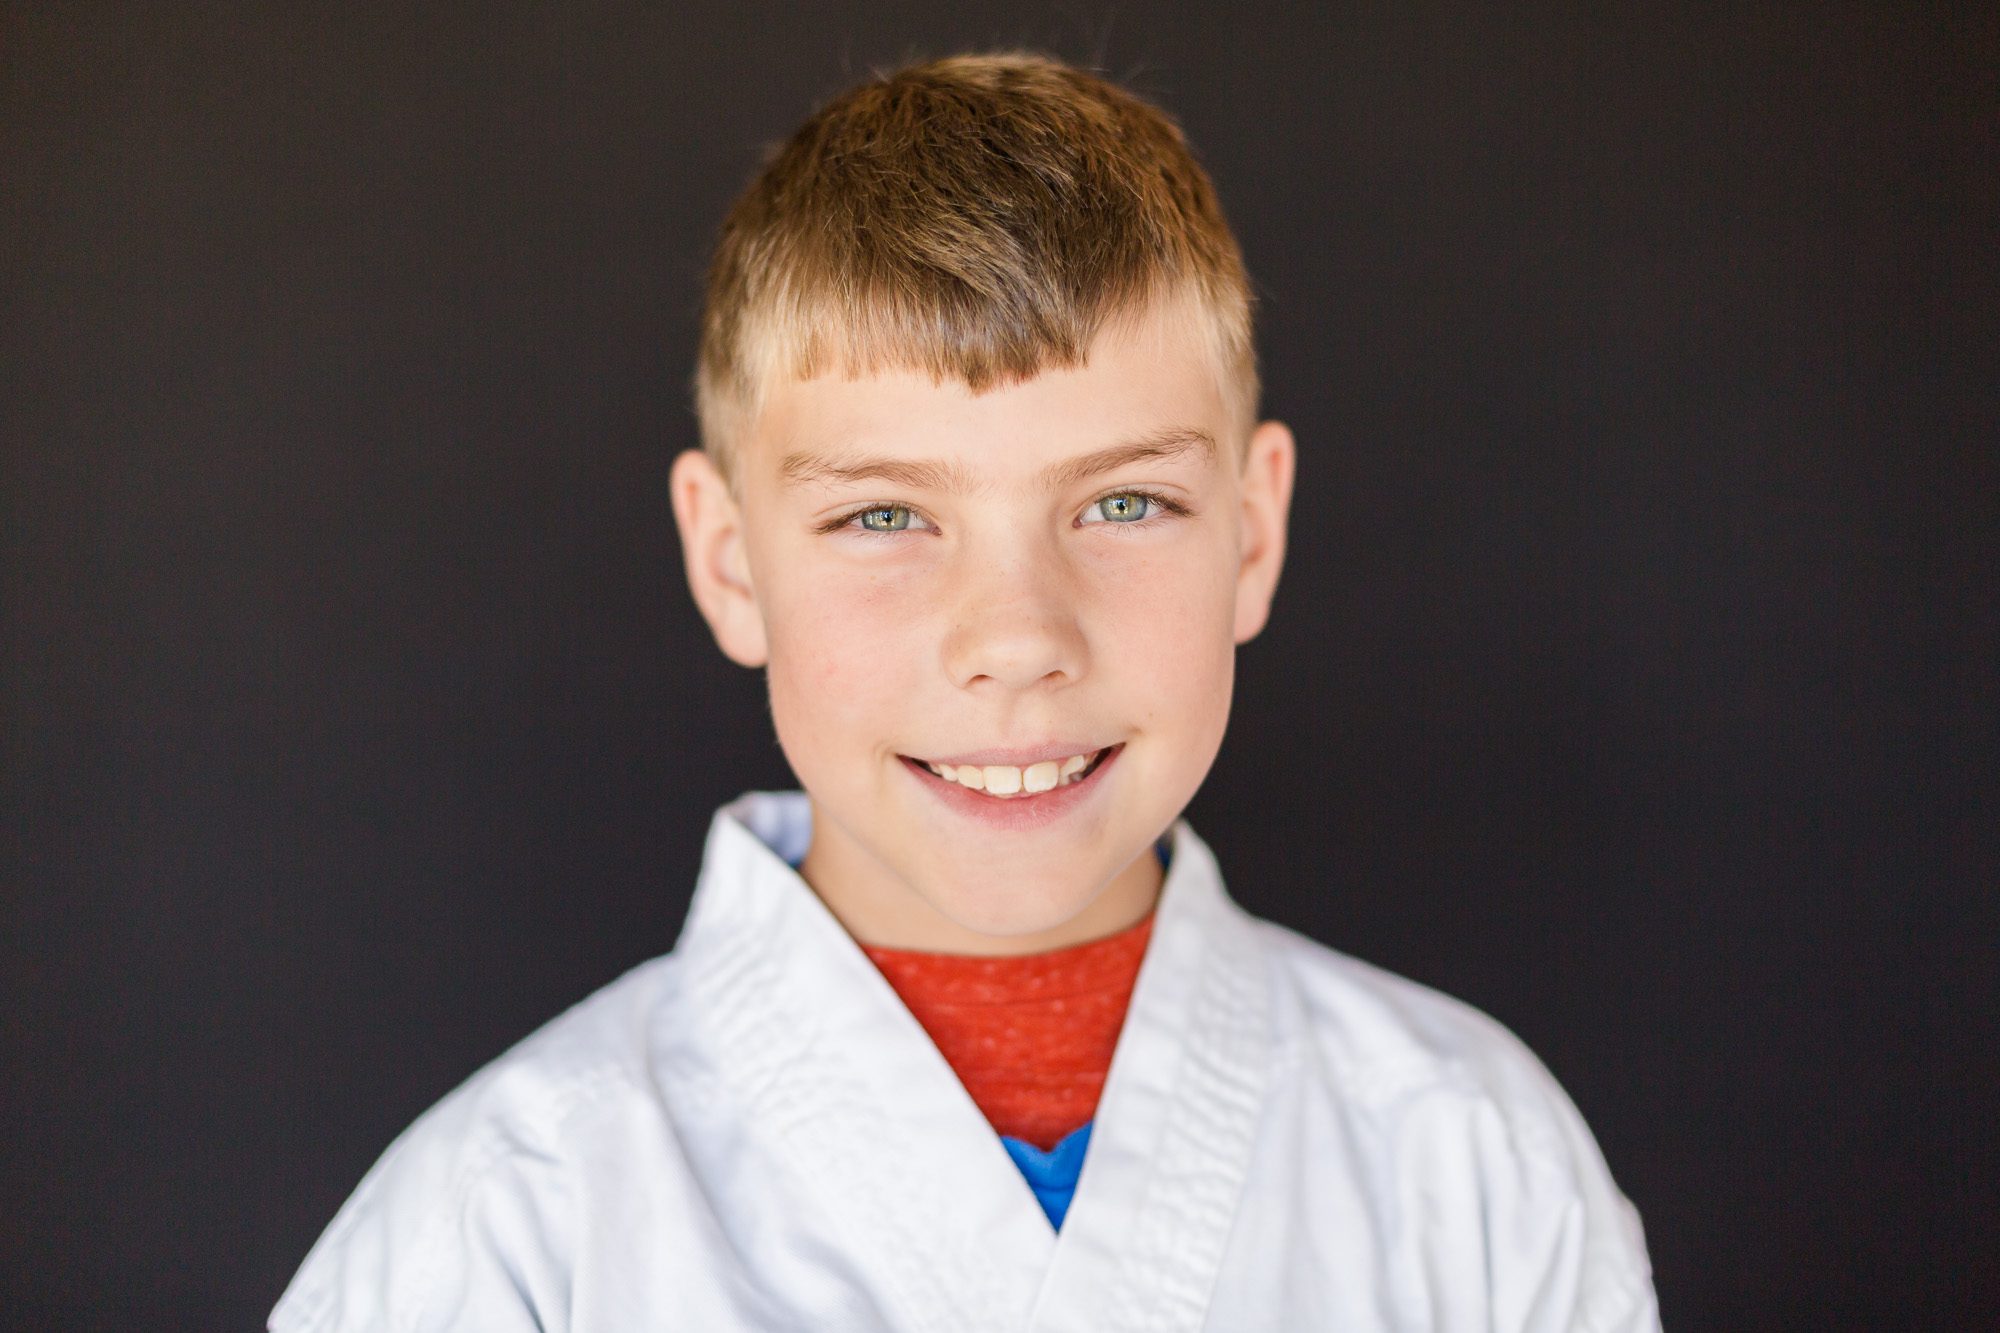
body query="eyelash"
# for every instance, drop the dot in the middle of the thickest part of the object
(1166, 503)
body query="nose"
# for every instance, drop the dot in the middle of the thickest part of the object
(1014, 625)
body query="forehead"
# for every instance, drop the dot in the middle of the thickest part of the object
(1148, 379)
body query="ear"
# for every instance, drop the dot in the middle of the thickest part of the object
(718, 566)
(1267, 498)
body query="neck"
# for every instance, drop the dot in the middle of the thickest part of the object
(879, 911)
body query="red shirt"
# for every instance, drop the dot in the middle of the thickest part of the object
(1030, 1037)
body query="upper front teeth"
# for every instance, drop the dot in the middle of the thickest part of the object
(1007, 780)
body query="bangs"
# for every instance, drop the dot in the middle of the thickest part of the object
(982, 344)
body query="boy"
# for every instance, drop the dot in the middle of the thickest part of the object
(984, 494)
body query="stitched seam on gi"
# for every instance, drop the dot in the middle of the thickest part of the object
(1176, 1252)
(816, 1104)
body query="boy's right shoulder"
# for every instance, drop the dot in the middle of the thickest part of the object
(498, 1171)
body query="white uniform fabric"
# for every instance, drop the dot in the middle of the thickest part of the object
(752, 1132)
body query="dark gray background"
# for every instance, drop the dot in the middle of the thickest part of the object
(1633, 677)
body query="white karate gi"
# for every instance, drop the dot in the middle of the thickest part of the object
(753, 1133)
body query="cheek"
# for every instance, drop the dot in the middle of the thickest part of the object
(844, 648)
(1165, 635)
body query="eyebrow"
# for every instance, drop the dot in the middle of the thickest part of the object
(1164, 446)
(1168, 445)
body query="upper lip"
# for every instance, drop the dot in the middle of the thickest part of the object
(1016, 758)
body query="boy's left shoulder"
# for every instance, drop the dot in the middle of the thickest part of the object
(1389, 1036)
(1463, 1109)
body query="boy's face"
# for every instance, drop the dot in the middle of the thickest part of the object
(959, 594)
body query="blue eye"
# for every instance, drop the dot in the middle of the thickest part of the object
(884, 518)
(1126, 507)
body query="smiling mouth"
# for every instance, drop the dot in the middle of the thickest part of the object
(1006, 782)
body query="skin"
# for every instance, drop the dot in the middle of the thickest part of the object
(1008, 613)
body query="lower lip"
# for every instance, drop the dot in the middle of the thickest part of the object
(1015, 812)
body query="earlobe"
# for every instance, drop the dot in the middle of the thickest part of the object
(1268, 466)
(717, 561)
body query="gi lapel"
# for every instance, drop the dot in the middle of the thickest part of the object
(1144, 1239)
(855, 1100)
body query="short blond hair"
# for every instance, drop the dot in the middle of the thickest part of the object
(981, 218)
